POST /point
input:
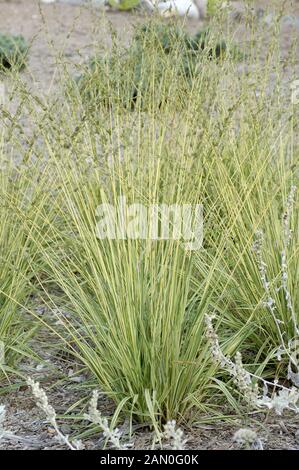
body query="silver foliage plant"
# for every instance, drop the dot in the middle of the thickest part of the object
(289, 348)
(247, 439)
(43, 403)
(174, 435)
(248, 384)
(95, 417)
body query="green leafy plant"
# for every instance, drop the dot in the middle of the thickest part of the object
(13, 51)
(214, 6)
(124, 5)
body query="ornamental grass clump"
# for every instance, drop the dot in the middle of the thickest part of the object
(257, 278)
(135, 306)
(16, 249)
(24, 199)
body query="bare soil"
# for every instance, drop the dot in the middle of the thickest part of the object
(32, 432)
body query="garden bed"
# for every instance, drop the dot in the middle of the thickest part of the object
(64, 33)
